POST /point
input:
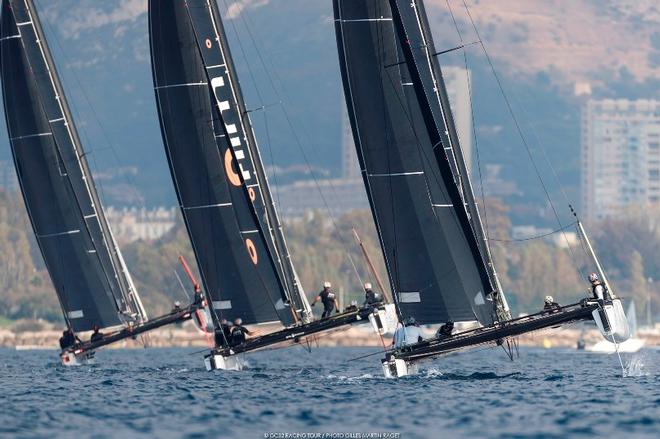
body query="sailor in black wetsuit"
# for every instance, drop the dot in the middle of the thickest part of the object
(598, 289)
(370, 296)
(329, 300)
(68, 339)
(239, 332)
(445, 330)
(96, 335)
(550, 305)
(223, 333)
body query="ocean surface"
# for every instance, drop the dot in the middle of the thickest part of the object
(167, 393)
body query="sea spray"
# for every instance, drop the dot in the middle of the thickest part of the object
(635, 367)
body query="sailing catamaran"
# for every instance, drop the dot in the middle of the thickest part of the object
(221, 184)
(436, 252)
(83, 260)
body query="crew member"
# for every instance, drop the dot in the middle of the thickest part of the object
(223, 333)
(370, 296)
(549, 304)
(239, 332)
(68, 339)
(598, 289)
(329, 300)
(409, 333)
(445, 330)
(96, 335)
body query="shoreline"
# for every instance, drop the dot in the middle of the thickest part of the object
(357, 336)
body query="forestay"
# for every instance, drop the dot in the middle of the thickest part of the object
(215, 165)
(410, 168)
(84, 263)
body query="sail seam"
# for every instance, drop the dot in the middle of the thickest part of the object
(397, 174)
(189, 84)
(206, 206)
(68, 232)
(362, 20)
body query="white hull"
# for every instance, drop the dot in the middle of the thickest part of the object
(612, 322)
(396, 368)
(384, 319)
(219, 362)
(629, 346)
(82, 359)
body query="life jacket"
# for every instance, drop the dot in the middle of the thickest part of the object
(327, 297)
(606, 294)
(238, 334)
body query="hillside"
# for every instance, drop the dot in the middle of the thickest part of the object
(541, 48)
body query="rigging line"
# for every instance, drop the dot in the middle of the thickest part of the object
(556, 177)
(95, 115)
(538, 140)
(474, 126)
(532, 238)
(269, 74)
(513, 115)
(269, 145)
(274, 222)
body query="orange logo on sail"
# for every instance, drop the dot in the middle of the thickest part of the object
(251, 250)
(229, 169)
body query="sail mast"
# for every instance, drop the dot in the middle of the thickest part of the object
(433, 259)
(416, 52)
(456, 155)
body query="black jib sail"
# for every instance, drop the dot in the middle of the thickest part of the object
(414, 173)
(83, 260)
(215, 164)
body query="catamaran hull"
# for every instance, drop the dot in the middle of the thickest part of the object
(396, 368)
(612, 322)
(384, 319)
(220, 362)
(72, 359)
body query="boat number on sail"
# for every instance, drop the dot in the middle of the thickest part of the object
(252, 250)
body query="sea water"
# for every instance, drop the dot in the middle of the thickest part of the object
(167, 393)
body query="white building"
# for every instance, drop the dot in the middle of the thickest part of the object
(133, 224)
(620, 156)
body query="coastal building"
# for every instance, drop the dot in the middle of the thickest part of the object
(132, 223)
(620, 156)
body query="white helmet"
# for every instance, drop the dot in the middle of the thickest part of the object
(593, 277)
(549, 299)
(238, 321)
(367, 286)
(327, 284)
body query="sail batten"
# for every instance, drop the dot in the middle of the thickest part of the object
(84, 262)
(431, 254)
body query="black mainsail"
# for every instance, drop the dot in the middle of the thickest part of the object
(413, 169)
(215, 164)
(83, 260)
